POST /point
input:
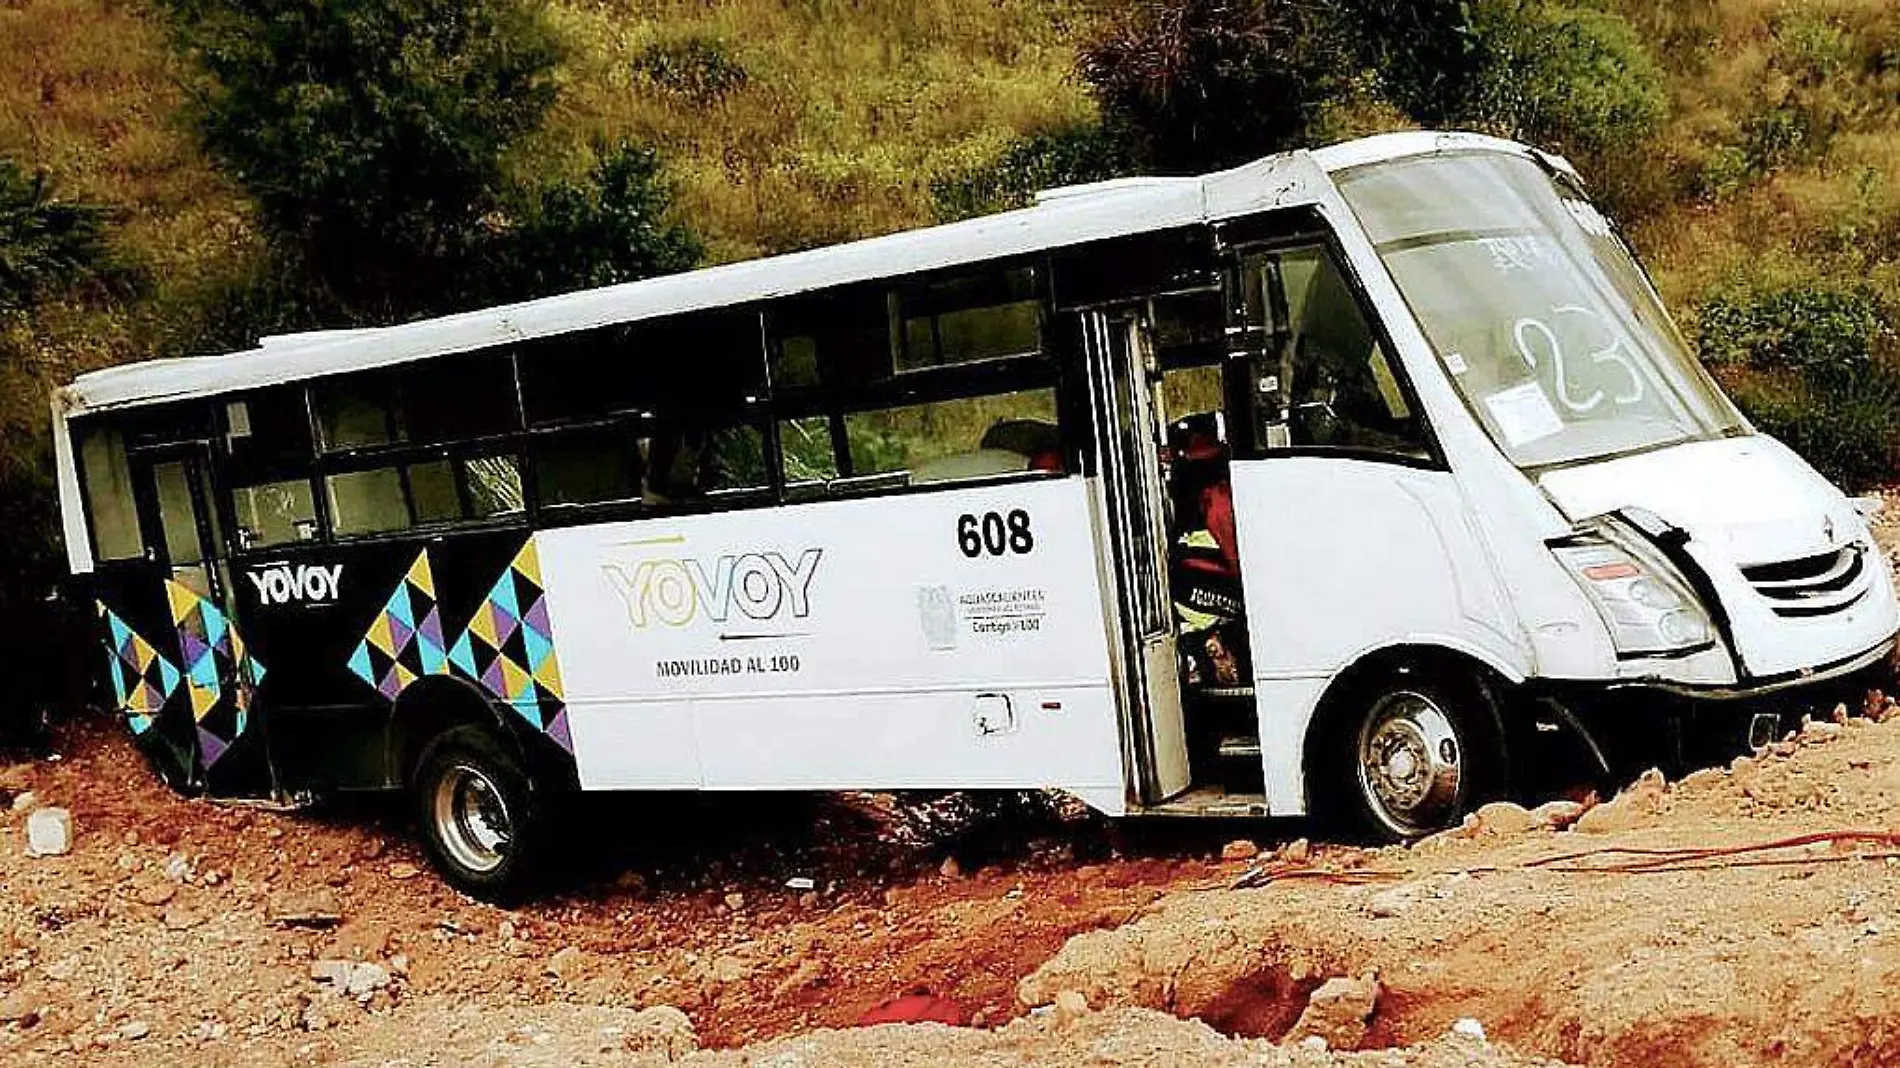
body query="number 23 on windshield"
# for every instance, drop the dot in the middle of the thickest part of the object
(1527, 329)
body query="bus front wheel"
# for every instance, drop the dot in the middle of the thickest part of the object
(481, 821)
(1412, 752)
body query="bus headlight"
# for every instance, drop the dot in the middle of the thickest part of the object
(1649, 611)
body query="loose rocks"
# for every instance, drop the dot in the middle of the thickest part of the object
(1338, 1012)
(49, 832)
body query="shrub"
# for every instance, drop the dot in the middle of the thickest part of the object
(1811, 362)
(612, 227)
(1560, 74)
(1199, 84)
(1847, 423)
(1068, 155)
(371, 133)
(46, 244)
(1816, 325)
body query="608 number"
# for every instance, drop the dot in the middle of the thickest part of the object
(994, 533)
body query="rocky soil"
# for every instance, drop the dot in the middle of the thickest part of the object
(1745, 915)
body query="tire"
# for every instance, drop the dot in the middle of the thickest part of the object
(1410, 753)
(484, 826)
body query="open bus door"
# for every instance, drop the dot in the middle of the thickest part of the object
(193, 737)
(1122, 377)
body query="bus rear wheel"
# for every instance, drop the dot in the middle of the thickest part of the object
(481, 821)
(1412, 754)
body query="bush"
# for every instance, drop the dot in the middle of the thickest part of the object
(1811, 362)
(1194, 85)
(371, 133)
(1820, 77)
(1069, 155)
(1846, 423)
(610, 228)
(1816, 325)
(46, 244)
(1554, 73)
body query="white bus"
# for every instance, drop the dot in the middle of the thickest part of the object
(1341, 481)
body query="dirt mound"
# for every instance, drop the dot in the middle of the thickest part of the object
(1091, 1040)
(182, 931)
(1693, 957)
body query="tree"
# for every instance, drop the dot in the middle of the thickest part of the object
(610, 228)
(372, 134)
(1197, 84)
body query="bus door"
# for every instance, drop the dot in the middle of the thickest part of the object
(1353, 531)
(183, 538)
(1128, 438)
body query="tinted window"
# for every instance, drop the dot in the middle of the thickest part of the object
(702, 362)
(266, 434)
(113, 515)
(961, 438)
(441, 400)
(355, 413)
(841, 338)
(588, 465)
(857, 336)
(368, 502)
(274, 513)
(991, 315)
(424, 492)
(268, 461)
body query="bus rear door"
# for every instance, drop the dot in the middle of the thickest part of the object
(209, 711)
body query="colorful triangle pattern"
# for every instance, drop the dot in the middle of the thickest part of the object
(508, 648)
(142, 680)
(404, 641)
(213, 652)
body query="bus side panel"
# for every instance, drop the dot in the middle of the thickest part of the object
(344, 629)
(943, 639)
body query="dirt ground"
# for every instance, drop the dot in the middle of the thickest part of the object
(762, 931)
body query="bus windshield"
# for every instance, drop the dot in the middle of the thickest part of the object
(1539, 313)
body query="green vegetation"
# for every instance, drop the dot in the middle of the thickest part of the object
(381, 141)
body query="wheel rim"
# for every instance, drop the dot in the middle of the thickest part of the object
(471, 819)
(1410, 763)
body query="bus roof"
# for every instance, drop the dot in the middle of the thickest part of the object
(1061, 217)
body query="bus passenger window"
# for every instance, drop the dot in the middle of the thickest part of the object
(806, 446)
(432, 492)
(588, 465)
(684, 464)
(987, 315)
(114, 518)
(367, 502)
(955, 440)
(267, 464)
(735, 460)
(275, 513)
(354, 413)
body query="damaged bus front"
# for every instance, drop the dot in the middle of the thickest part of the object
(1641, 534)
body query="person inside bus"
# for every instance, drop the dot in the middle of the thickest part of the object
(675, 458)
(1205, 556)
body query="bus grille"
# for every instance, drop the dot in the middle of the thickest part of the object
(1812, 585)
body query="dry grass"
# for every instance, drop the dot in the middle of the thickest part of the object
(86, 94)
(842, 115)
